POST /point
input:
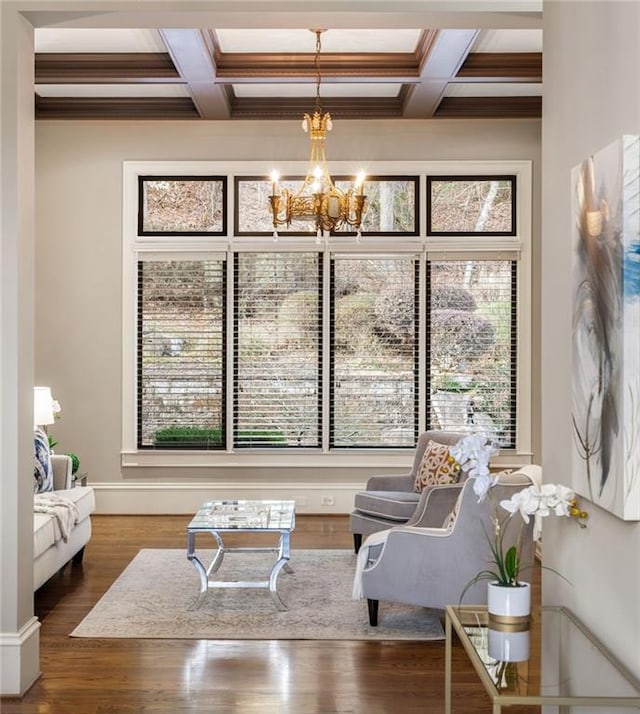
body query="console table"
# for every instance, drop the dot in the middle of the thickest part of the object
(566, 665)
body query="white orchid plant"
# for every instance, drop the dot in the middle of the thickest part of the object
(473, 453)
(56, 409)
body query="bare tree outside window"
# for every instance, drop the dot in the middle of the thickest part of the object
(182, 206)
(391, 206)
(463, 206)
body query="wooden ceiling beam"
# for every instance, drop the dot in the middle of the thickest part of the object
(115, 108)
(502, 66)
(490, 108)
(339, 107)
(272, 108)
(237, 67)
(104, 68)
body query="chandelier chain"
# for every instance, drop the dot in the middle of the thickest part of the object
(316, 63)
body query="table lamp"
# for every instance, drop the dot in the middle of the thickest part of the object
(42, 407)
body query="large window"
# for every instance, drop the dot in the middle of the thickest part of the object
(374, 338)
(472, 346)
(245, 344)
(278, 349)
(181, 336)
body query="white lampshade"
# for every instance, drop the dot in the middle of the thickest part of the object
(42, 406)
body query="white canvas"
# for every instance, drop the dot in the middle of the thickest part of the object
(606, 323)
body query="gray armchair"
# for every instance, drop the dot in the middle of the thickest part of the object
(430, 567)
(390, 500)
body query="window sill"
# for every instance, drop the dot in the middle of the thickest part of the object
(276, 458)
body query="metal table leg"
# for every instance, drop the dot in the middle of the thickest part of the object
(447, 664)
(204, 573)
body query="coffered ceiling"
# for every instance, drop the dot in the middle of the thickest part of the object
(269, 73)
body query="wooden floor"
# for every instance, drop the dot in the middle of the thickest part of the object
(84, 676)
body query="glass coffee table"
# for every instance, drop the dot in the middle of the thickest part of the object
(218, 517)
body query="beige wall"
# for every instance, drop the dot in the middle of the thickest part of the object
(591, 81)
(79, 257)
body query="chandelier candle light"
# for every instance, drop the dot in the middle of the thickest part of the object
(318, 199)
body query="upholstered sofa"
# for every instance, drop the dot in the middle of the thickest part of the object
(50, 550)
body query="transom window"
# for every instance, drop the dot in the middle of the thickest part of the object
(244, 343)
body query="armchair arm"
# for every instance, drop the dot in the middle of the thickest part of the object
(430, 567)
(435, 504)
(391, 482)
(62, 466)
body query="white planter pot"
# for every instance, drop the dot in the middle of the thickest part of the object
(508, 605)
(509, 646)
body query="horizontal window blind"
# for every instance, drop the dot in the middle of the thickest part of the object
(181, 387)
(374, 319)
(277, 350)
(471, 346)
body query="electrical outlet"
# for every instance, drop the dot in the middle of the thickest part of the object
(327, 501)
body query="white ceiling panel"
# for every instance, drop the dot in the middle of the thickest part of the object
(304, 40)
(108, 40)
(309, 90)
(112, 90)
(508, 41)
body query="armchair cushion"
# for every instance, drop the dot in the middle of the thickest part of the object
(436, 467)
(391, 505)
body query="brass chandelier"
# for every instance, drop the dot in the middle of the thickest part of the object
(318, 199)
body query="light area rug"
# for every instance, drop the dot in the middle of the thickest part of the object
(151, 599)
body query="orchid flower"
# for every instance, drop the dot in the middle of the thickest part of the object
(534, 501)
(473, 452)
(482, 485)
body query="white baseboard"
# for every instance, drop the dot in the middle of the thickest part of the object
(179, 498)
(19, 659)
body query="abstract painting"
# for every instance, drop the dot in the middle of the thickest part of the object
(606, 328)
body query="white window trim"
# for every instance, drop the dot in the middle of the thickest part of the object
(427, 247)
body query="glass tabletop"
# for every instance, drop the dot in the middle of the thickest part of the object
(554, 658)
(244, 515)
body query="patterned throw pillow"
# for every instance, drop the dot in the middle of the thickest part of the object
(436, 467)
(42, 469)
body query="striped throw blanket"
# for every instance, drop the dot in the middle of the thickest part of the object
(62, 509)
